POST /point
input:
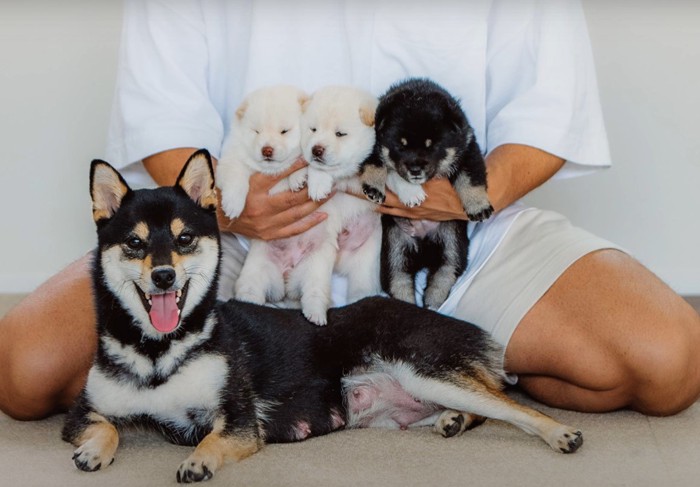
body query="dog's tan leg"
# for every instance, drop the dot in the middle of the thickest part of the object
(479, 394)
(216, 447)
(96, 444)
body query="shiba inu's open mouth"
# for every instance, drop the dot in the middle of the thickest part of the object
(164, 308)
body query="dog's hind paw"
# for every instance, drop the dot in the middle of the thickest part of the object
(566, 439)
(193, 471)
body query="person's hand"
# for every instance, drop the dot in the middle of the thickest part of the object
(270, 217)
(441, 204)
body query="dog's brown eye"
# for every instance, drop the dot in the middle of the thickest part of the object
(340, 134)
(313, 129)
(135, 243)
(185, 239)
(284, 131)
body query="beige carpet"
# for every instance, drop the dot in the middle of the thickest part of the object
(620, 449)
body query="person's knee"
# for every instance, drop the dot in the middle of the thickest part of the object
(27, 386)
(667, 380)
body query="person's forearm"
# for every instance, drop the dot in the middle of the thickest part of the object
(513, 170)
(165, 166)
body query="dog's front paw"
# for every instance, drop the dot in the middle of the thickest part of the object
(479, 213)
(297, 180)
(89, 457)
(320, 184)
(565, 439)
(453, 423)
(194, 471)
(374, 194)
(233, 202)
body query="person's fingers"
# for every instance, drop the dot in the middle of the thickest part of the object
(300, 226)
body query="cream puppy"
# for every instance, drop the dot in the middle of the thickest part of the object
(337, 134)
(264, 137)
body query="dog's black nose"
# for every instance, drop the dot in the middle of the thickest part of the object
(163, 278)
(267, 152)
(318, 151)
(415, 171)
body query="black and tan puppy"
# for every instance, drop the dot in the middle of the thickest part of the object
(228, 377)
(421, 134)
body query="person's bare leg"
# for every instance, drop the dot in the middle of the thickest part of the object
(46, 345)
(608, 335)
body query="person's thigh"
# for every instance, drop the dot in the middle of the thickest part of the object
(609, 334)
(47, 343)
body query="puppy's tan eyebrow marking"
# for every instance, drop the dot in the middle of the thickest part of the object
(428, 142)
(141, 230)
(404, 141)
(177, 226)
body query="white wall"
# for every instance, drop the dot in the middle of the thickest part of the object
(58, 69)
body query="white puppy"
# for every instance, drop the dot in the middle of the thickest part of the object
(264, 137)
(337, 135)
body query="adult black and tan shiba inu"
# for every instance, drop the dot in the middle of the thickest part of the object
(228, 377)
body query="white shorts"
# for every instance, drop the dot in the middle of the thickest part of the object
(514, 258)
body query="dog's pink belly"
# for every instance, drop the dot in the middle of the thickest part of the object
(379, 402)
(417, 228)
(286, 253)
(357, 231)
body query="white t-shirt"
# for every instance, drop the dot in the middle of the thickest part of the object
(523, 71)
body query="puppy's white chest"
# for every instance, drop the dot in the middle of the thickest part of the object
(196, 385)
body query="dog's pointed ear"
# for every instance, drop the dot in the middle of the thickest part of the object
(107, 190)
(368, 109)
(240, 111)
(197, 179)
(304, 101)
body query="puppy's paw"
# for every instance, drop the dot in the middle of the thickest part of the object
(480, 214)
(453, 423)
(193, 470)
(374, 194)
(475, 201)
(316, 317)
(409, 194)
(320, 185)
(89, 457)
(565, 439)
(233, 202)
(297, 180)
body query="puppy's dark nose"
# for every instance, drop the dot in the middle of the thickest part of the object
(267, 152)
(318, 151)
(163, 278)
(415, 171)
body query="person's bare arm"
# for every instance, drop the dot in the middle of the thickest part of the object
(264, 216)
(513, 170)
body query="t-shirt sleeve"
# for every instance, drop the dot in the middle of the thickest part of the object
(541, 83)
(161, 98)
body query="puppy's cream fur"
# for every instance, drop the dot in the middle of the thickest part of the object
(264, 138)
(337, 134)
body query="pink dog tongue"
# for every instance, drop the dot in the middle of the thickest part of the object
(164, 313)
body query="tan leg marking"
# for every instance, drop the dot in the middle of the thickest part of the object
(213, 450)
(96, 445)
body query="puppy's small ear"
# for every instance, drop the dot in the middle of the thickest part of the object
(107, 190)
(304, 100)
(240, 111)
(197, 180)
(367, 112)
